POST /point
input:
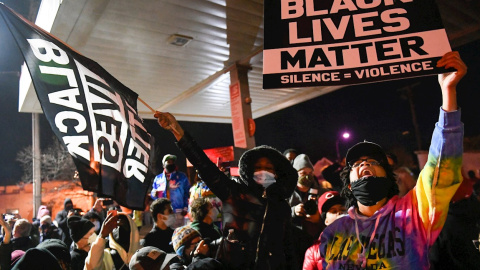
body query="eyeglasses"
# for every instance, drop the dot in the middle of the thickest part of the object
(370, 161)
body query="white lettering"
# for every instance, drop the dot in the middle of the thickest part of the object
(134, 167)
(73, 145)
(62, 116)
(66, 98)
(49, 51)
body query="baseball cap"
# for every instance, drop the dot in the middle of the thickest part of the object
(368, 149)
(168, 157)
(150, 258)
(329, 199)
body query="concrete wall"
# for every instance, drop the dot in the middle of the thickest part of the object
(53, 194)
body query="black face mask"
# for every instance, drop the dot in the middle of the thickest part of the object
(170, 167)
(370, 190)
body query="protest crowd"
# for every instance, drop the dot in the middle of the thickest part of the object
(365, 212)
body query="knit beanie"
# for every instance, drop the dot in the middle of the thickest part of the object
(302, 161)
(15, 256)
(46, 219)
(183, 236)
(78, 227)
(58, 248)
(38, 259)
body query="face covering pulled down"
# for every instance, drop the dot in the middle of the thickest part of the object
(369, 190)
(264, 178)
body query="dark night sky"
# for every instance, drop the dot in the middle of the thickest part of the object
(377, 112)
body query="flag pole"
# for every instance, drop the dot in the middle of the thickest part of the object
(148, 106)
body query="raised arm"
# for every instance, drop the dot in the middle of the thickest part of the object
(5, 246)
(216, 180)
(94, 260)
(441, 175)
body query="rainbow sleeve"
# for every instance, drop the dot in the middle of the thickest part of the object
(441, 175)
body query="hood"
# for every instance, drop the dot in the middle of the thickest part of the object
(42, 211)
(134, 240)
(67, 200)
(384, 211)
(286, 175)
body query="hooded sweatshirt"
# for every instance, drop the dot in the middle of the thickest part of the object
(399, 235)
(100, 257)
(260, 218)
(61, 220)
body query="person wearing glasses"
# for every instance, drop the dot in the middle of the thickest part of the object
(382, 230)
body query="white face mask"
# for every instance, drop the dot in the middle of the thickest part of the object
(214, 214)
(264, 178)
(170, 220)
(97, 225)
(92, 238)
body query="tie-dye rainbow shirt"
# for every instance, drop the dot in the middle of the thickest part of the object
(405, 228)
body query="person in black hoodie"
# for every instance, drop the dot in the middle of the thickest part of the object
(61, 220)
(255, 206)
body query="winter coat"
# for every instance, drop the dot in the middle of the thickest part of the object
(312, 257)
(261, 218)
(178, 195)
(23, 243)
(61, 220)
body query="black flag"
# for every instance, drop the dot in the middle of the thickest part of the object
(90, 111)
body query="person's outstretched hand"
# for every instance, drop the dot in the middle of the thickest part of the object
(7, 230)
(168, 122)
(448, 81)
(109, 224)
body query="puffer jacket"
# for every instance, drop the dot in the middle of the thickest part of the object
(261, 218)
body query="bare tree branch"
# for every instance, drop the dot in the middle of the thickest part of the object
(56, 163)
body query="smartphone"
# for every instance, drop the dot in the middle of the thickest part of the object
(107, 202)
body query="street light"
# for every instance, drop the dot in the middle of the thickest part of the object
(345, 136)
